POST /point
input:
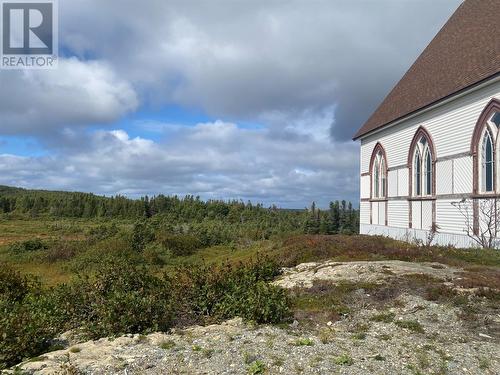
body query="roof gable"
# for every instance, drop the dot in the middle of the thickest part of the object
(464, 52)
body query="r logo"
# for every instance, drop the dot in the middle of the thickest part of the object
(27, 28)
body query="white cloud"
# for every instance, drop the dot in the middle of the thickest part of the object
(78, 93)
(214, 160)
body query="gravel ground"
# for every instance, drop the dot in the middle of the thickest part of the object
(411, 335)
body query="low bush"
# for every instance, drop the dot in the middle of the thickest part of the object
(28, 317)
(142, 234)
(27, 327)
(118, 296)
(14, 286)
(102, 232)
(215, 292)
(179, 244)
(213, 232)
(27, 246)
(156, 254)
(63, 250)
(343, 360)
(256, 367)
(105, 251)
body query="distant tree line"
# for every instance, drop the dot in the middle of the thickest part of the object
(180, 213)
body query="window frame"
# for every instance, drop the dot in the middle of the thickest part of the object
(483, 167)
(378, 174)
(485, 124)
(417, 174)
(422, 166)
(427, 162)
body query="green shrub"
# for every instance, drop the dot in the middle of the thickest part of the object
(27, 327)
(156, 254)
(117, 295)
(256, 367)
(179, 244)
(14, 286)
(27, 246)
(119, 298)
(105, 251)
(264, 303)
(142, 234)
(63, 250)
(102, 232)
(343, 360)
(222, 292)
(214, 232)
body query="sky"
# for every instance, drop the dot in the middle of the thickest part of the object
(226, 99)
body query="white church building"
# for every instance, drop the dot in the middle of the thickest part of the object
(430, 153)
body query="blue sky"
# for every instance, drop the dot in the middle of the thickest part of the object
(248, 100)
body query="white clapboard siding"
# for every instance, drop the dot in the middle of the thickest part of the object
(375, 213)
(403, 182)
(450, 125)
(444, 177)
(416, 214)
(366, 154)
(392, 182)
(426, 215)
(364, 214)
(381, 213)
(397, 213)
(462, 175)
(365, 187)
(448, 217)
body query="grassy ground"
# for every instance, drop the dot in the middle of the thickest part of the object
(12, 230)
(62, 230)
(289, 251)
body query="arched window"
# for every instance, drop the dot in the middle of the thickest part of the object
(376, 178)
(383, 177)
(487, 163)
(418, 175)
(422, 168)
(428, 172)
(379, 173)
(485, 142)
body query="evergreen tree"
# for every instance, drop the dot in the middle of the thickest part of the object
(334, 215)
(312, 223)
